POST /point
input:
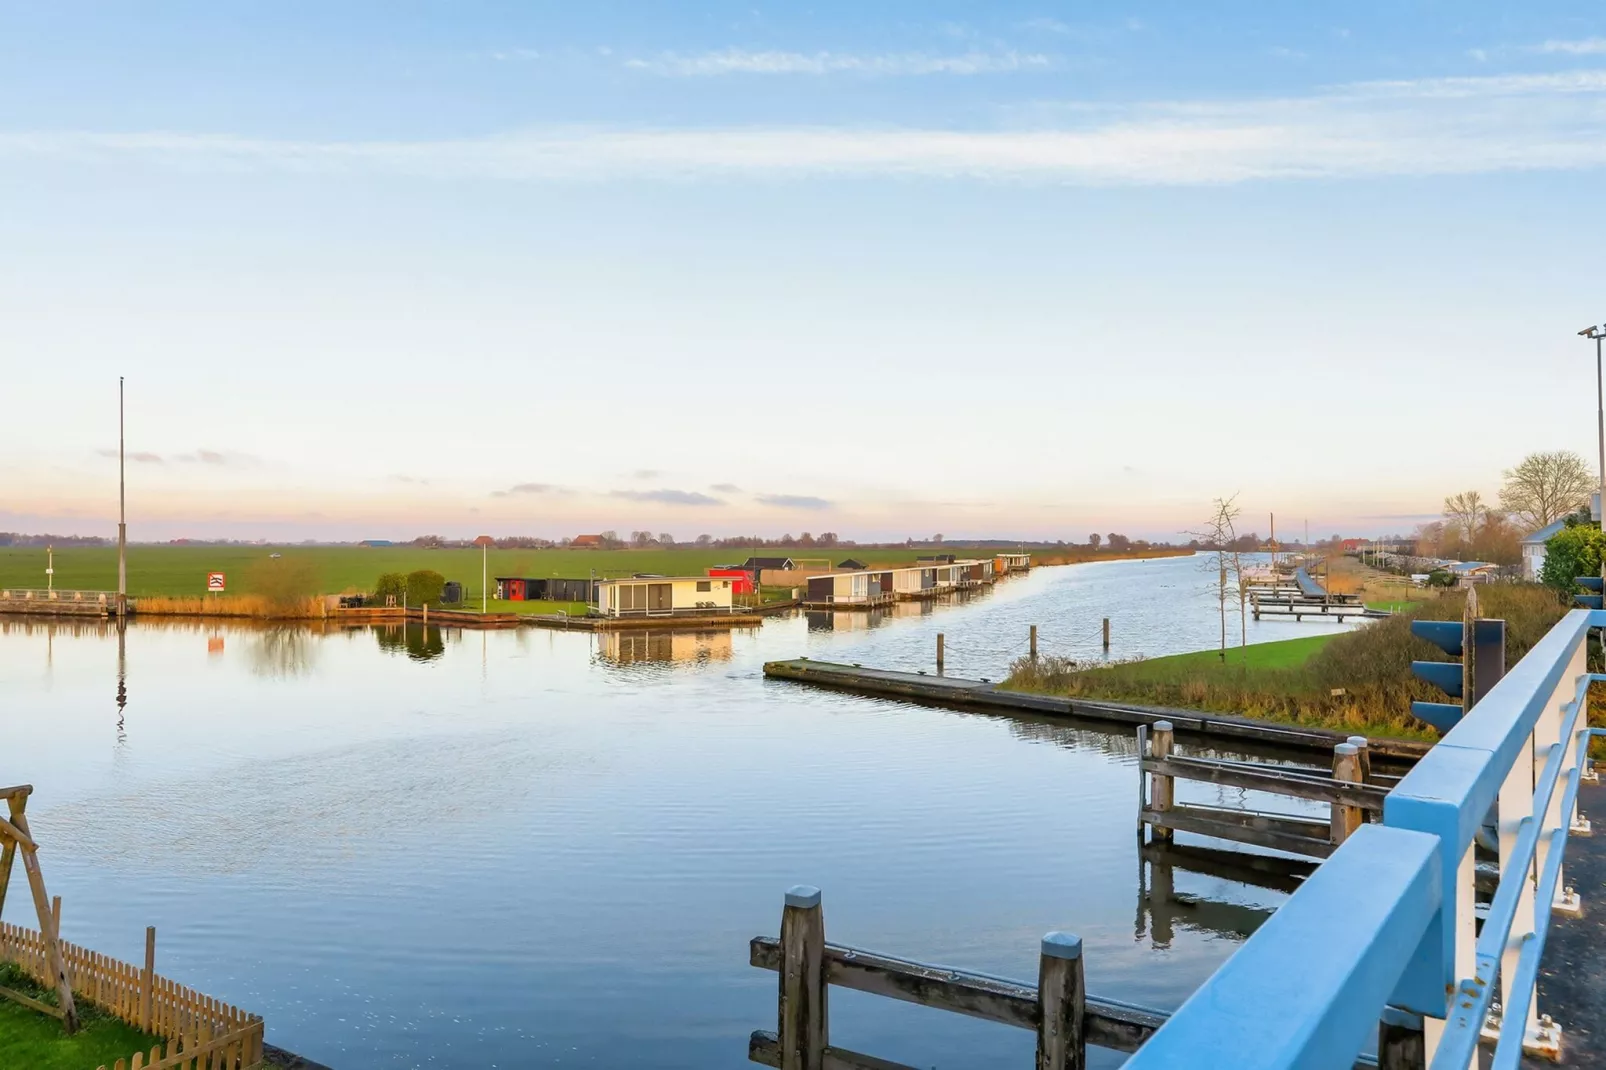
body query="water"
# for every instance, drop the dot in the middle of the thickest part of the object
(532, 848)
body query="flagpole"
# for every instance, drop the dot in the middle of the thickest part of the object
(122, 513)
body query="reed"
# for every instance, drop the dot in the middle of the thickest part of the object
(259, 607)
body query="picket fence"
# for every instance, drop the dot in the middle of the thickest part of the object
(202, 1033)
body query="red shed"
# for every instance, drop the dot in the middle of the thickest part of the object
(741, 579)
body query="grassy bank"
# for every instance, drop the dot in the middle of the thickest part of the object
(172, 579)
(33, 1040)
(1294, 682)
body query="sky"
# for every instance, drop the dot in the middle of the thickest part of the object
(1018, 270)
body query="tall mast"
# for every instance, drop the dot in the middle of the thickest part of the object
(122, 512)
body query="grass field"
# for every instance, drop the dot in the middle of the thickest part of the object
(1284, 654)
(30, 1039)
(180, 571)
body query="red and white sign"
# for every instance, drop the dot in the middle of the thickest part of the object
(214, 581)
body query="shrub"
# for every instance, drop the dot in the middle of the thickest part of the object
(1572, 552)
(287, 583)
(390, 585)
(425, 585)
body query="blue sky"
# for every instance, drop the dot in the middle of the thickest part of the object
(883, 269)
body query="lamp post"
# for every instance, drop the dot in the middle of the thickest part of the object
(122, 513)
(1598, 333)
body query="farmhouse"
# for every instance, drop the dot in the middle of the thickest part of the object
(663, 596)
(1533, 549)
(586, 542)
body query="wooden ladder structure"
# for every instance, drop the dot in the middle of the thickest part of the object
(14, 834)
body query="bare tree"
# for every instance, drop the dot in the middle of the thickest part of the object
(1093, 540)
(1544, 487)
(1464, 513)
(1217, 537)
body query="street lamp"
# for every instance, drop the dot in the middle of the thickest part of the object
(1598, 333)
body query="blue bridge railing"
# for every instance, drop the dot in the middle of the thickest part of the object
(1381, 942)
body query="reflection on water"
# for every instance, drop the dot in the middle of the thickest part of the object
(419, 641)
(458, 843)
(641, 646)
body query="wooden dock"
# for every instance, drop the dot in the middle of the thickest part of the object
(985, 696)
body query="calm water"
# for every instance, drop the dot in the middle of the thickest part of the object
(535, 848)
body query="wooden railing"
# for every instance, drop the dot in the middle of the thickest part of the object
(1058, 1009)
(1349, 792)
(201, 1031)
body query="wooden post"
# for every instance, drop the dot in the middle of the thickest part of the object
(1346, 767)
(802, 1026)
(426, 618)
(1365, 755)
(55, 914)
(1062, 998)
(939, 652)
(1034, 642)
(1400, 1047)
(147, 979)
(1143, 794)
(47, 929)
(1106, 633)
(1162, 789)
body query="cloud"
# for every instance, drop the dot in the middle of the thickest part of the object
(216, 457)
(666, 497)
(1464, 125)
(725, 488)
(903, 64)
(1477, 55)
(793, 501)
(530, 488)
(645, 473)
(419, 480)
(1588, 46)
(1046, 25)
(137, 456)
(1284, 52)
(515, 54)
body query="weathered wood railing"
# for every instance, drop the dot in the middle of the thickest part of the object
(1058, 1009)
(1347, 792)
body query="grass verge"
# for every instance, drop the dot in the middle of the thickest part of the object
(33, 1040)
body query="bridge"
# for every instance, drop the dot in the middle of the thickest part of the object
(1384, 947)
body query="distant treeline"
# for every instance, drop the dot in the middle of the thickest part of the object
(827, 540)
(17, 538)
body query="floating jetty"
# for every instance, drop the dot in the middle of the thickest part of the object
(986, 696)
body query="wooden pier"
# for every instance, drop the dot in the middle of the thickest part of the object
(985, 696)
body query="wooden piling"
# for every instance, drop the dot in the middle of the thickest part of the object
(1034, 642)
(147, 979)
(55, 914)
(1346, 767)
(1365, 755)
(1143, 794)
(1106, 633)
(1062, 997)
(1162, 789)
(802, 1026)
(939, 652)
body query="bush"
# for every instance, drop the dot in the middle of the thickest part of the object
(287, 583)
(425, 585)
(1572, 552)
(390, 585)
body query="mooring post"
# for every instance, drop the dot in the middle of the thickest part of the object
(1162, 789)
(939, 652)
(426, 617)
(1106, 633)
(147, 979)
(1346, 769)
(1062, 998)
(55, 914)
(1365, 755)
(1034, 642)
(1143, 794)
(802, 1026)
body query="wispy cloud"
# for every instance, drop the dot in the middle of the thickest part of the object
(1404, 127)
(418, 480)
(1588, 46)
(514, 54)
(530, 488)
(666, 497)
(137, 456)
(645, 473)
(900, 64)
(1045, 24)
(725, 488)
(218, 458)
(793, 501)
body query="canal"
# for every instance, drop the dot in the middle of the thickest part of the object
(533, 848)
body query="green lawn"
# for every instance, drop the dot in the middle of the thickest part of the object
(180, 571)
(33, 1040)
(1393, 607)
(1283, 654)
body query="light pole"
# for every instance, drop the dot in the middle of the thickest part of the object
(50, 568)
(122, 513)
(1598, 333)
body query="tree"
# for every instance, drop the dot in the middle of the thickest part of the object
(1570, 553)
(1544, 487)
(665, 539)
(1464, 513)
(1218, 536)
(826, 538)
(425, 585)
(704, 540)
(1119, 543)
(1093, 540)
(640, 538)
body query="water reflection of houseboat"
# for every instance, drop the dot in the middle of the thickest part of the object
(637, 646)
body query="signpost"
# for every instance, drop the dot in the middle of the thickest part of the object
(214, 583)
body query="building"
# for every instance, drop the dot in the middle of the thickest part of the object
(741, 579)
(858, 589)
(1013, 562)
(663, 596)
(1533, 549)
(755, 565)
(543, 589)
(937, 559)
(852, 565)
(586, 542)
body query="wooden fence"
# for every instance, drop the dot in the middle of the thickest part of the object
(1353, 793)
(1058, 1009)
(202, 1033)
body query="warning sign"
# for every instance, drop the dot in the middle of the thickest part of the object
(214, 581)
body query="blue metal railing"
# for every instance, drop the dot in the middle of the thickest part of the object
(1385, 927)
